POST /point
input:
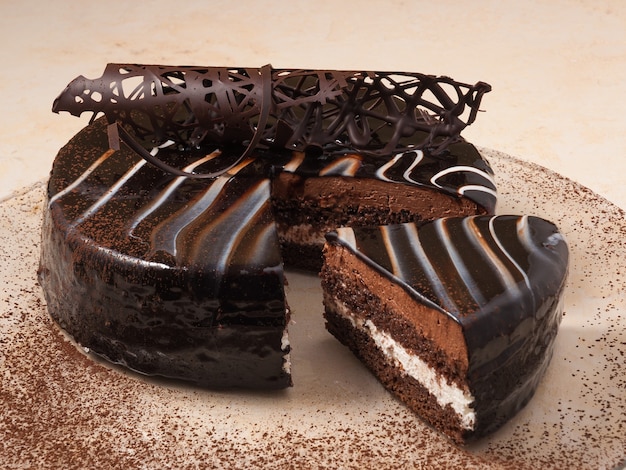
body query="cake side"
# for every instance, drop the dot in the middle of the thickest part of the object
(500, 279)
(163, 274)
(422, 362)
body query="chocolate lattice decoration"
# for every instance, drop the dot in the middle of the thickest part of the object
(372, 113)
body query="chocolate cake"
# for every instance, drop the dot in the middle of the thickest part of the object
(456, 317)
(161, 244)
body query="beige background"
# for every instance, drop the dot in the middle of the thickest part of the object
(558, 68)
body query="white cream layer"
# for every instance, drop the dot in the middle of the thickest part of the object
(284, 345)
(446, 394)
(303, 234)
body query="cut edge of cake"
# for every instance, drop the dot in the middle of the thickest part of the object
(414, 346)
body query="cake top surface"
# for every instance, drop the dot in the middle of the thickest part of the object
(120, 200)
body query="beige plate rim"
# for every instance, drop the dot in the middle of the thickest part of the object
(59, 407)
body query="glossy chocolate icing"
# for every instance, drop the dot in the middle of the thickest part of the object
(174, 268)
(165, 273)
(499, 277)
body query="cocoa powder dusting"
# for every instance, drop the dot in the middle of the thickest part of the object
(64, 409)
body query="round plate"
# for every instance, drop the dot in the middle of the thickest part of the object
(64, 408)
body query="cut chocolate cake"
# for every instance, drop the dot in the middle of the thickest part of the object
(163, 253)
(456, 317)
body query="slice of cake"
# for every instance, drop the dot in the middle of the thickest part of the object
(168, 218)
(457, 318)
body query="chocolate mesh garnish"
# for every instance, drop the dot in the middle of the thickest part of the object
(372, 113)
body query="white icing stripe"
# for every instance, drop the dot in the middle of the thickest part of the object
(446, 393)
(266, 237)
(460, 168)
(475, 187)
(396, 265)
(82, 177)
(295, 162)
(164, 236)
(346, 166)
(165, 194)
(419, 155)
(477, 239)
(109, 193)
(472, 287)
(236, 220)
(431, 273)
(380, 173)
(524, 236)
(507, 254)
(165, 144)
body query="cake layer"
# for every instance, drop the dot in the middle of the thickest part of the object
(424, 390)
(483, 293)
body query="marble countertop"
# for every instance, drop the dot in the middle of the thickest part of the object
(558, 68)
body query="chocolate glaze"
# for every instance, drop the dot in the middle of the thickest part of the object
(166, 275)
(459, 171)
(174, 268)
(500, 277)
(182, 277)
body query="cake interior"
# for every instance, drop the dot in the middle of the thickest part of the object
(306, 208)
(215, 247)
(418, 353)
